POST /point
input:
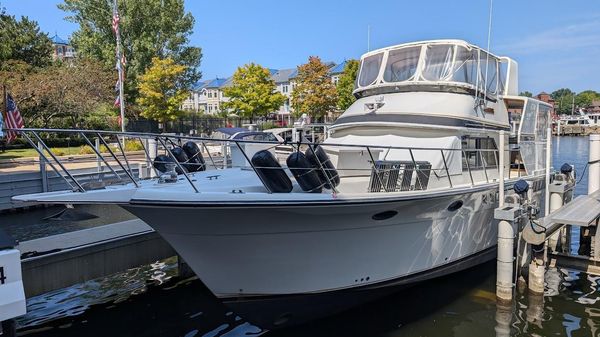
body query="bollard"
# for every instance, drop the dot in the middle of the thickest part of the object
(594, 164)
(506, 241)
(537, 268)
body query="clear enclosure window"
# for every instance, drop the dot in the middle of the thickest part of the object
(438, 62)
(402, 64)
(370, 69)
(465, 66)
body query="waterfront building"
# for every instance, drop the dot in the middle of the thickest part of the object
(207, 96)
(546, 98)
(62, 49)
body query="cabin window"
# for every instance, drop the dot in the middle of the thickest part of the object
(370, 69)
(479, 152)
(438, 62)
(402, 64)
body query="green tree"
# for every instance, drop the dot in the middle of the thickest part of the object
(22, 40)
(149, 28)
(61, 95)
(564, 99)
(526, 94)
(314, 94)
(345, 85)
(585, 98)
(252, 92)
(162, 90)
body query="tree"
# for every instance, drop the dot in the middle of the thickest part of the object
(60, 95)
(526, 94)
(149, 28)
(314, 94)
(22, 40)
(345, 85)
(162, 90)
(564, 98)
(252, 92)
(585, 98)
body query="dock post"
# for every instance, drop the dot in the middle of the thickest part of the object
(594, 164)
(501, 170)
(537, 269)
(504, 278)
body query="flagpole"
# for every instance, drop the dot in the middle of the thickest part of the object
(121, 77)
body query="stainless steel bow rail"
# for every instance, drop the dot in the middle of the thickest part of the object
(473, 160)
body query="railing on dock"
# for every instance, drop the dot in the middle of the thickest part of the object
(388, 168)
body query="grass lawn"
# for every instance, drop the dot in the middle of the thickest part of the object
(22, 153)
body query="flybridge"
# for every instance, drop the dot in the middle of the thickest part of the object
(455, 64)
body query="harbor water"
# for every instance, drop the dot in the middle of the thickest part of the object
(153, 301)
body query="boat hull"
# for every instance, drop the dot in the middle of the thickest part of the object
(267, 261)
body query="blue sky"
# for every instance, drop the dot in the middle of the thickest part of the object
(557, 43)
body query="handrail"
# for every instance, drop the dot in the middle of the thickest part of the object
(152, 135)
(174, 140)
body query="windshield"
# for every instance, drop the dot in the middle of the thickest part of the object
(435, 62)
(402, 64)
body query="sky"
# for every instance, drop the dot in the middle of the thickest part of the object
(556, 43)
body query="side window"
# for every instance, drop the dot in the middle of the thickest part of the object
(479, 152)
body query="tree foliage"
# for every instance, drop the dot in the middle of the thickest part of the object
(252, 92)
(526, 94)
(564, 100)
(345, 85)
(22, 40)
(162, 90)
(314, 94)
(584, 99)
(149, 28)
(60, 95)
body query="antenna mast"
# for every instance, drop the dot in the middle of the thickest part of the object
(489, 37)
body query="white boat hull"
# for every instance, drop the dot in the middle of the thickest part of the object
(257, 251)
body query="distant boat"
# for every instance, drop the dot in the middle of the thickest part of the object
(403, 189)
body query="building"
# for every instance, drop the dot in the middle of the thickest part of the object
(545, 97)
(594, 107)
(207, 96)
(62, 49)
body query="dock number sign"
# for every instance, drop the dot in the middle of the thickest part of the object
(2, 277)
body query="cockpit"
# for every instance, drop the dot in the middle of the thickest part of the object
(445, 65)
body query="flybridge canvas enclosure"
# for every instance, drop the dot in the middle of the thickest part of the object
(436, 62)
(533, 135)
(378, 144)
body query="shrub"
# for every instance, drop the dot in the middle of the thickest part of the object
(58, 152)
(133, 145)
(86, 149)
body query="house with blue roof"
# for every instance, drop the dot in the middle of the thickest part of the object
(62, 49)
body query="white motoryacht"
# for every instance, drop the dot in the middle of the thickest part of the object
(402, 190)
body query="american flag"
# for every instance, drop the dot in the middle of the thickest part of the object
(13, 119)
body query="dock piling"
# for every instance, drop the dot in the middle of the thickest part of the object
(594, 164)
(505, 259)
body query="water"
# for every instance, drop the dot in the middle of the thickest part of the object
(152, 301)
